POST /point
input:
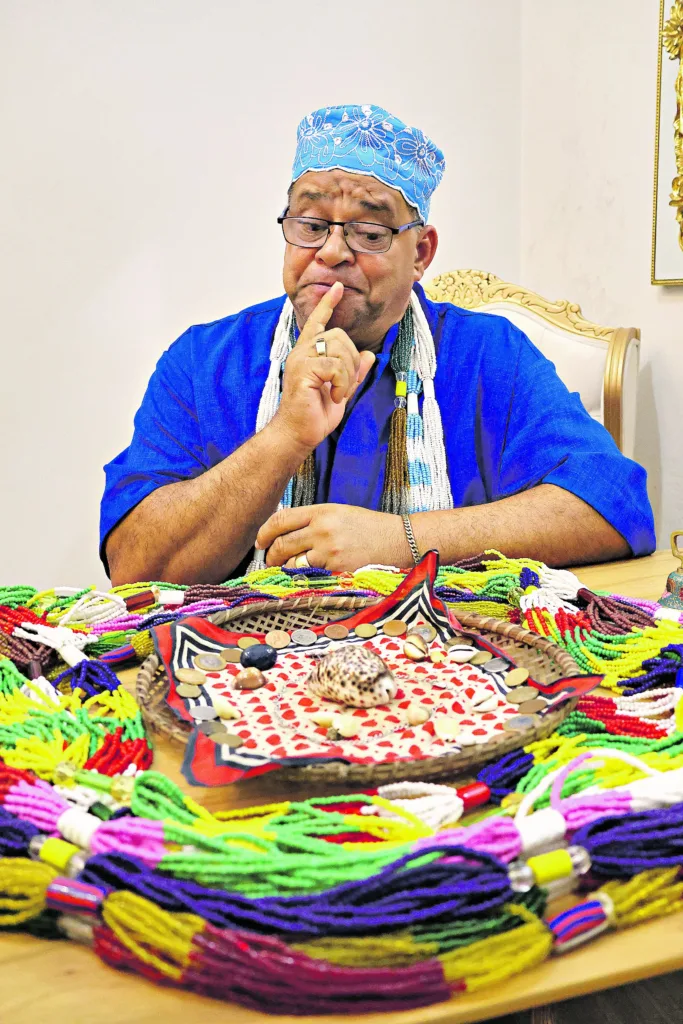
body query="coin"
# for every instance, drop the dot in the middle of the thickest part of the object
(336, 631)
(366, 630)
(247, 641)
(521, 694)
(496, 665)
(232, 655)
(426, 631)
(203, 712)
(516, 676)
(530, 707)
(437, 657)
(208, 727)
(394, 627)
(304, 637)
(190, 675)
(209, 662)
(520, 722)
(278, 638)
(223, 737)
(187, 690)
(481, 657)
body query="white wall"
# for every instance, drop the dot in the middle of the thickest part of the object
(589, 71)
(145, 155)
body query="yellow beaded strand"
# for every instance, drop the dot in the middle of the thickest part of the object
(156, 937)
(23, 884)
(497, 957)
(654, 893)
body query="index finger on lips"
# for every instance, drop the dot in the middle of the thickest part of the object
(283, 521)
(318, 319)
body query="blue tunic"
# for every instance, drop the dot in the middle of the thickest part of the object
(509, 421)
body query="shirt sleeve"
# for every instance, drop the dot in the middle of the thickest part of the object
(551, 439)
(166, 445)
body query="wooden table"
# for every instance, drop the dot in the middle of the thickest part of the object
(69, 985)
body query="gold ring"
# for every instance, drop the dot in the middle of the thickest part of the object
(301, 561)
(321, 347)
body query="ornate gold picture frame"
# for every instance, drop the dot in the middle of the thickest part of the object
(667, 222)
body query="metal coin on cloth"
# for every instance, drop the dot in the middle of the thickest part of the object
(209, 662)
(190, 675)
(426, 631)
(261, 656)
(495, 665)
(520, 722)
(394, 627)
(530, 707)
(481, 657)
(203, 712)
(279, 639)
(336, 631)
(304, 637)
(186, 690)
(366, 630)
(232, 655)
(517, 676)
(221, 737)
(521, 694)
(247, 641)
(208, 727)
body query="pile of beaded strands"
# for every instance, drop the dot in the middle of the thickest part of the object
(347, 903)
(606, 635)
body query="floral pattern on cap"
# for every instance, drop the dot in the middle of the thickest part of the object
(369, 140)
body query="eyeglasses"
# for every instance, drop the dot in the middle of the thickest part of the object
(360, 235)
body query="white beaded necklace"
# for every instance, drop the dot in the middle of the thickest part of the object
(429, 487)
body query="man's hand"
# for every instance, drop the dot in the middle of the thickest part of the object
(315, 389)
(336, 537)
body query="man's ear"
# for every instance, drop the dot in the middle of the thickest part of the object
(425, 250)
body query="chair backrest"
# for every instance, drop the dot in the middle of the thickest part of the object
(600, 363)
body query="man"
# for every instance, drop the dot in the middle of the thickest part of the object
(380, 423)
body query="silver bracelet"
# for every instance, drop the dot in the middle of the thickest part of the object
(411, 539)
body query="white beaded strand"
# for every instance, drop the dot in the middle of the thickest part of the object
(435, 452)
(563, 582)
(68, 643)
(270, 397)
(95, 606)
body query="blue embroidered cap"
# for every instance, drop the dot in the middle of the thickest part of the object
(370, 140)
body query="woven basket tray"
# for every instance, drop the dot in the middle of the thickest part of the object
(545, 661)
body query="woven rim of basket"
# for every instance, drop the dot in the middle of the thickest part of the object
(152, 688)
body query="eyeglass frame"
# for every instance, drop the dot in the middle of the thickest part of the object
(342, 224)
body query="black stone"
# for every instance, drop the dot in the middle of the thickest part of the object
(260, 656)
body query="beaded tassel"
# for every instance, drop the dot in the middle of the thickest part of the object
(419, 473)
(435, 451)
(397, 481)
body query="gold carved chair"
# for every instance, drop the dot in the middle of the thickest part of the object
(600, 363)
